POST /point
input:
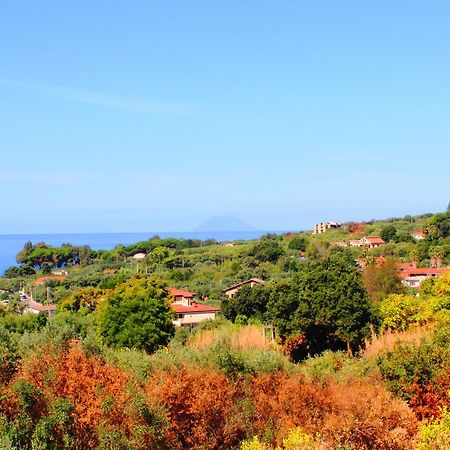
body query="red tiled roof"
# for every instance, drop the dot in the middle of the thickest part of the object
(39, 306)
(424, 271)
(179, 292)
(193, 308)
(374, 240)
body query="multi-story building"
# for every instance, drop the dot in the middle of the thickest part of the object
(321, 227)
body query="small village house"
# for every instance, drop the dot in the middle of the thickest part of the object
(372, 241)
(36, 307)
(410, 274)
(232, 290)
(189, 313)
(413, 277)
(368, 241)
(418, 235)
(139, 256)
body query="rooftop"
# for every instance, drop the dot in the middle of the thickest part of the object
(193, 308)
(251, 280)
(179, 292)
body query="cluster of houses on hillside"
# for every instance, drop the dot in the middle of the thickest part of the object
(410, 274)
(189, 313)
(366, 241)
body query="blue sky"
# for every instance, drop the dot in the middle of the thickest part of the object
(153, 115)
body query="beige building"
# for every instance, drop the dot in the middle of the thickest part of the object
(368, 241)
(189, 313)
(192, 315)
(232, 290)
(372, 241)
(321, 227)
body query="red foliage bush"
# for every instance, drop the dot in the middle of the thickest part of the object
(95, 390)
(200, 404)
(207, 410)
(361, 414)
(427, 399)
(356, 227)
(201, 407)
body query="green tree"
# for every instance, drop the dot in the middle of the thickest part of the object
(298, 243)
(440, 226)
(26, 250)
(267, 249)
(388, 233)
(382, 279)
(250, 302)
(136, 315)
(325, 303)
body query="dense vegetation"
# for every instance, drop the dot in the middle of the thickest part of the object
(359, 361)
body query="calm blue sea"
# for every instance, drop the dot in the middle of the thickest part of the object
(11, 244)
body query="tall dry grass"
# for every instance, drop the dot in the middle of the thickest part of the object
(387, 341)
(236, 336)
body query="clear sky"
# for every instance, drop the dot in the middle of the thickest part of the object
(155, 115)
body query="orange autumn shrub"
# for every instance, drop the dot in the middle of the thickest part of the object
(282, 402)
(360, 414)
(206, 409)
(200, 405)
(366, 416)
(428, 399)
(96, 390)
(67, 394)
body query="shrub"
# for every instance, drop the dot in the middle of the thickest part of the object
(435, 435)
(409, 364)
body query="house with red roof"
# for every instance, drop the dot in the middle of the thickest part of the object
(189, 313)
(413, 276)
(372, 241)
(182, 297)
(36, 307)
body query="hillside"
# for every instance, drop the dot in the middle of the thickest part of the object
(318, 344)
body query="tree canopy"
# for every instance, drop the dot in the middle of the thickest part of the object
(136, 315)
(325, 303)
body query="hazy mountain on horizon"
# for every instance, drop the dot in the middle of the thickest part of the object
(224, 223)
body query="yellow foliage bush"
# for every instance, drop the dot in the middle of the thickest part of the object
(436, 434)
(295, 440)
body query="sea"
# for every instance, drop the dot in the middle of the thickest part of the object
(11, 244)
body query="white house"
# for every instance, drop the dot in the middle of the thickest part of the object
(189, 313)
(36, 307)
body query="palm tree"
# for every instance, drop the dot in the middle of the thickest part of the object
(436, 254)
(414, 255)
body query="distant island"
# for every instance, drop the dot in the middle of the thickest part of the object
(224, 223)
